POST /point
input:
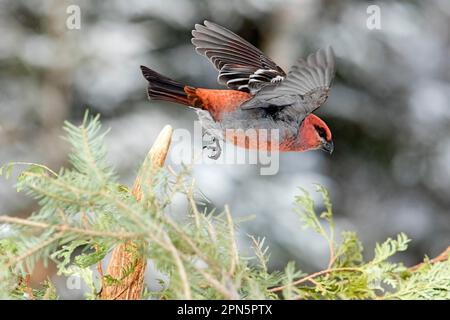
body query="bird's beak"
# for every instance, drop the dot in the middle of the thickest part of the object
(328, 146)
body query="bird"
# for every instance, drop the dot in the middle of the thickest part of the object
(260, 98)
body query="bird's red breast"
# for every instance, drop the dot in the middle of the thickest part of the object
(259, 140)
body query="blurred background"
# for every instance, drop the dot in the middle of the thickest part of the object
(389, 109)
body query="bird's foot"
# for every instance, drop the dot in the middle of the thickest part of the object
(214, 146)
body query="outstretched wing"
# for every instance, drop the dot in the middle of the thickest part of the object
(308, 81)
(241, 66)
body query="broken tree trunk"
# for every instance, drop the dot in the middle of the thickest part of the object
(126, 255)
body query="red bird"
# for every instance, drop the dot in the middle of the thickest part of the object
(261, 96)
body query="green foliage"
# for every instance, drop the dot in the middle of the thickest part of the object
(349, 277)
(84, 212)
(432, 282)
(349, 253)
(22, 291)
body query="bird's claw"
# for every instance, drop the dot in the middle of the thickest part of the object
(214, 146)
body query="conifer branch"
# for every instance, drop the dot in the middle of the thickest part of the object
(67, 229)
(84, 213)
(441, 257)
(315, 275)
(33, 250)
(181, 269)
(234, 256)
(132, 286)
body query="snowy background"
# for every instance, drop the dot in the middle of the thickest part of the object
(389, 109)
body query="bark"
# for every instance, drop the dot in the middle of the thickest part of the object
(125, 255)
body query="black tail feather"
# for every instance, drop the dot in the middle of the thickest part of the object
(162, 88)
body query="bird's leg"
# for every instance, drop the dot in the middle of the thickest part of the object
(212, 145)
(210, 139)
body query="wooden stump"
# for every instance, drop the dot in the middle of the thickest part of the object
(126, 255)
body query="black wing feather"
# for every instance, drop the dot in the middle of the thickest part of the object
(241, 65)
(308, 79)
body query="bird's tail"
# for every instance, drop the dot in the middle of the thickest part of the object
(163, 88)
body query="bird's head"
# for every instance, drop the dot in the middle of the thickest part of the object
(314, 134)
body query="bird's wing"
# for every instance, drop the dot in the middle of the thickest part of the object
(308, 80)
(241, 65)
